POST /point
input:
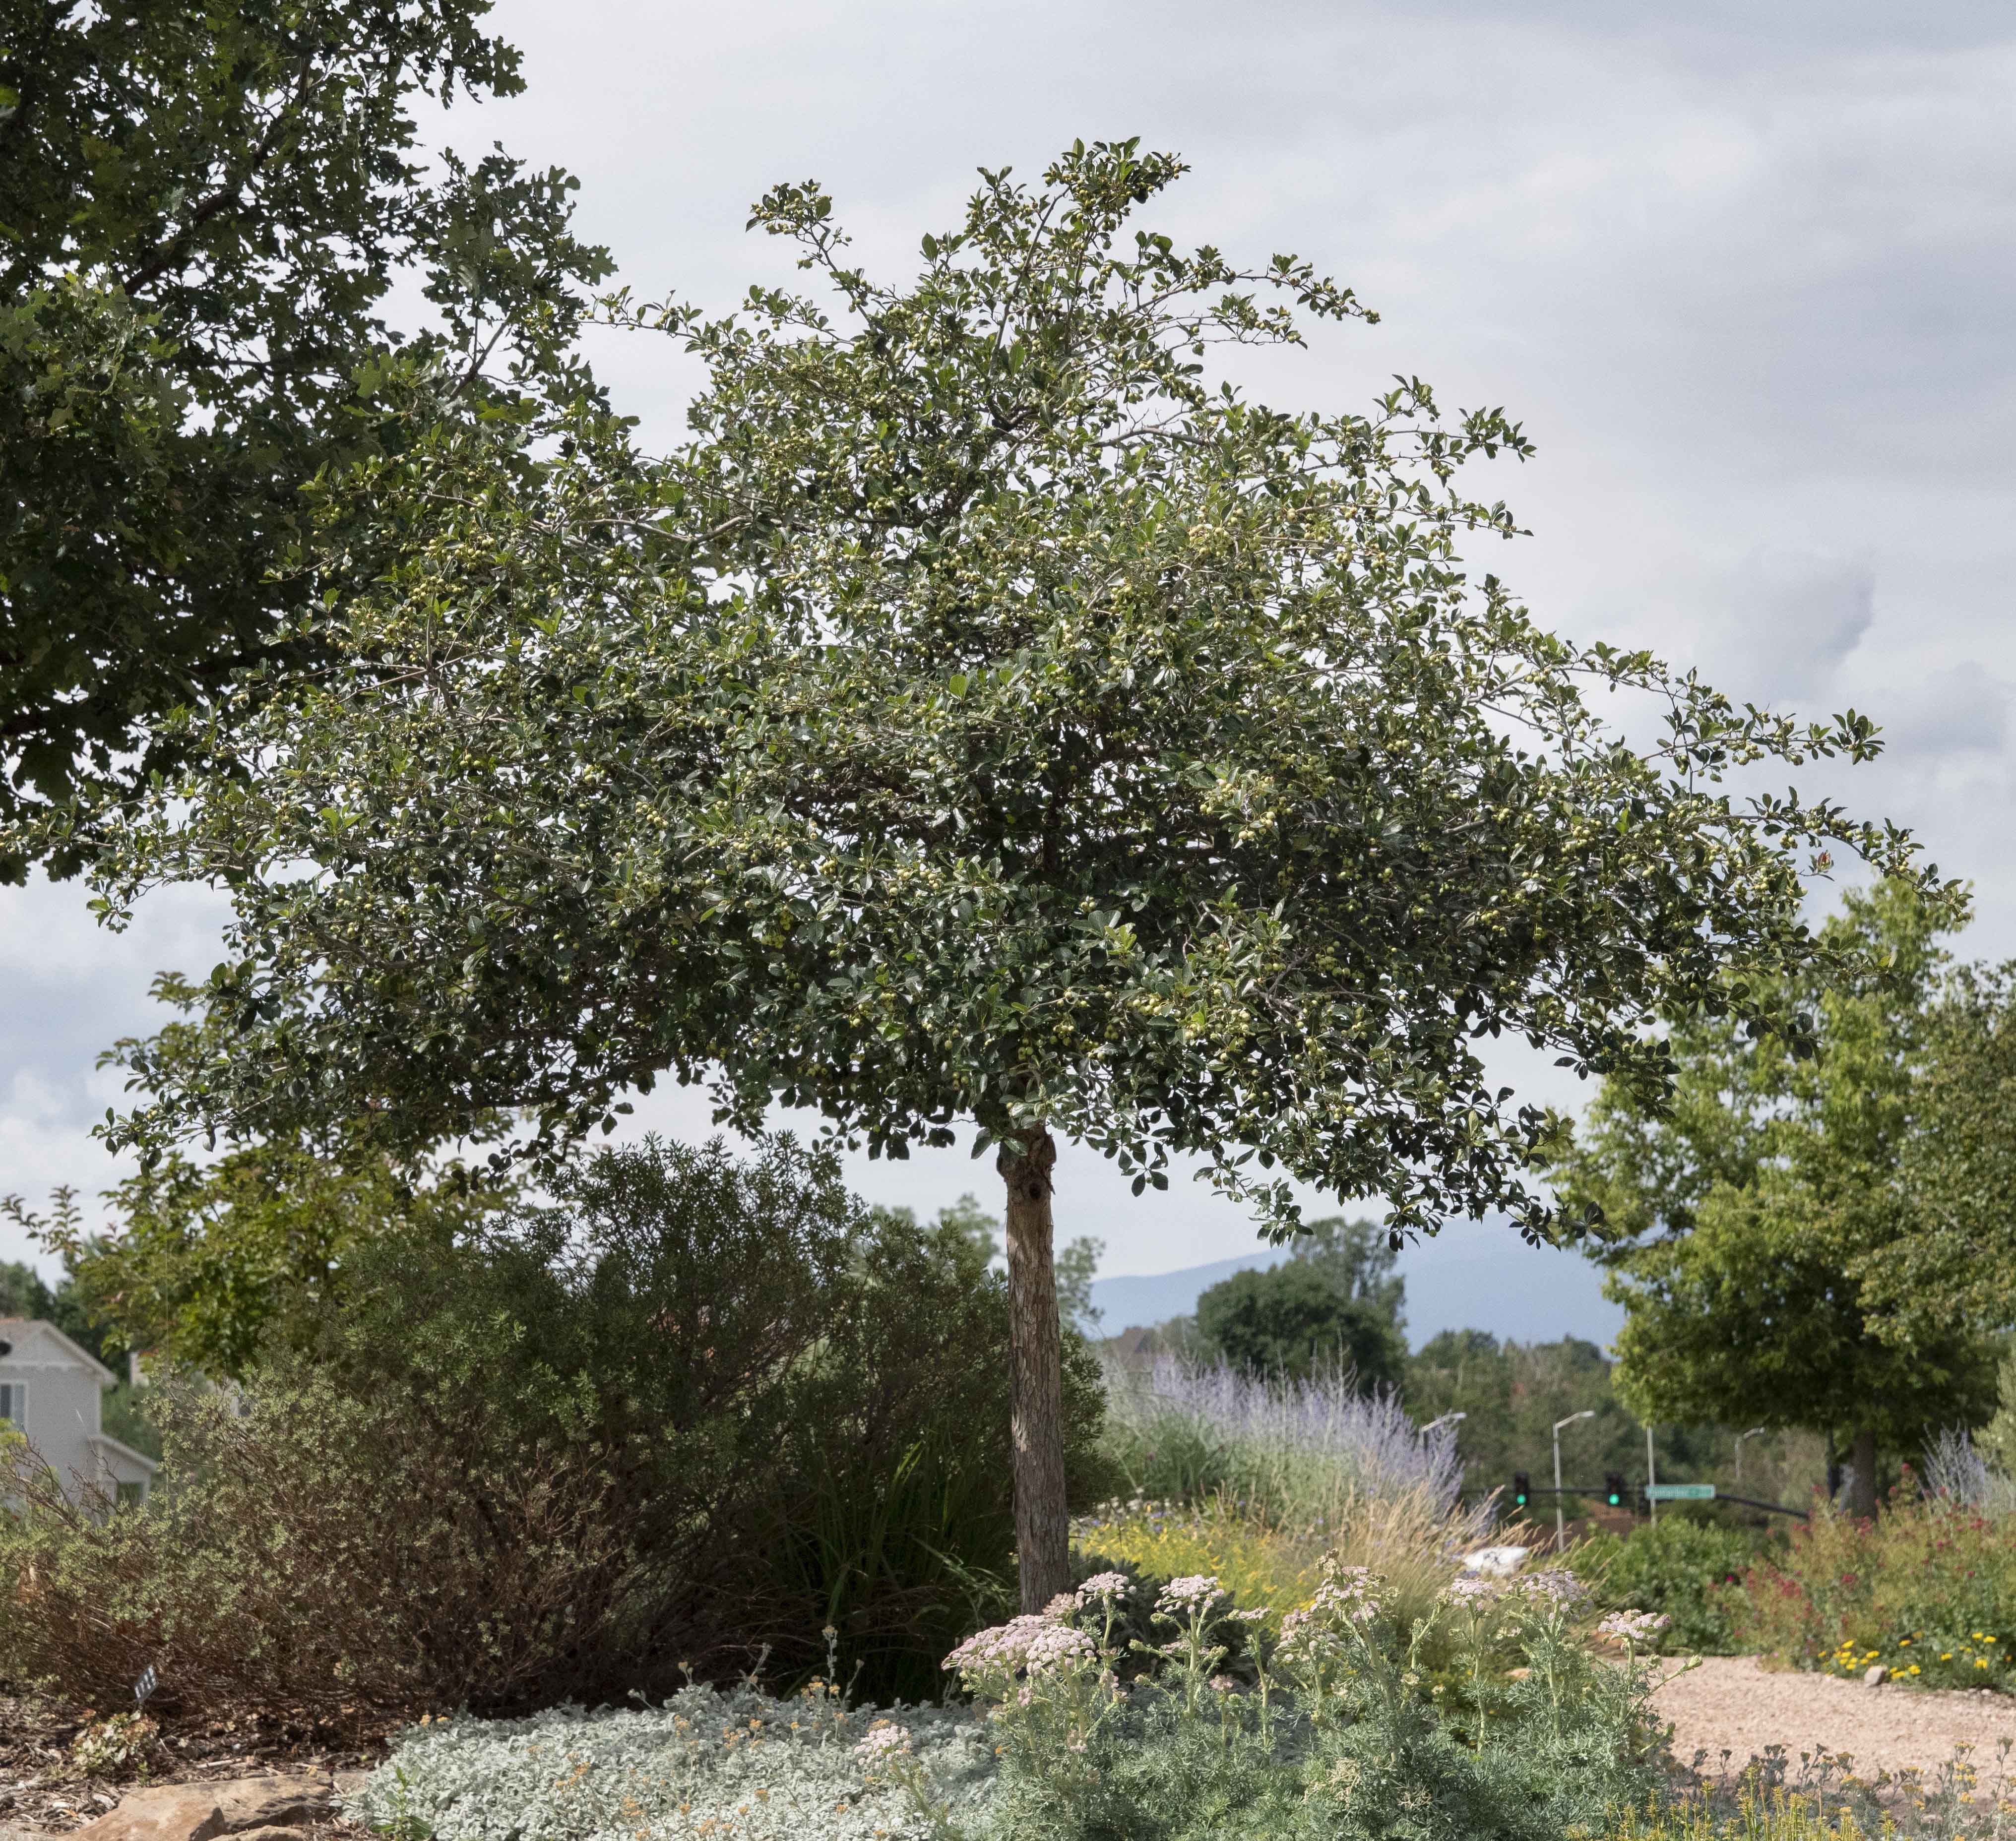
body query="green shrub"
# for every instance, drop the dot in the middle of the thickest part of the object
(693, 1412)
(1690, 1571)
(1343, 1734)
(1928, 1590)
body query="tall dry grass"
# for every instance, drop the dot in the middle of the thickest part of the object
(1302, 1455)
(1255, 1481)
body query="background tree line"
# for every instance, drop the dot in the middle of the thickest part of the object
(1337, 1308)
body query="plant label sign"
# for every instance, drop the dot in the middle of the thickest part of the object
(1680, 1492)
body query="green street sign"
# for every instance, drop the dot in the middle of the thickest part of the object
(1680, 1492)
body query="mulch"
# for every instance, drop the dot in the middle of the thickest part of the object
(41, 1791)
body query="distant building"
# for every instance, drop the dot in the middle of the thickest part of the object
(53, 1392)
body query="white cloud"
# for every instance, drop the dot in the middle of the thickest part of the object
(1785, 625)
(1744, 271)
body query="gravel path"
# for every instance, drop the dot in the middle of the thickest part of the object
(1730, 1704)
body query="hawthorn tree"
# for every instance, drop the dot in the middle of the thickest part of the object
(202, 211)
(988, 717)
(1749, 1224)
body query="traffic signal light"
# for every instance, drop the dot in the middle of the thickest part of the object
(1612, 1488)
(1522, 1489)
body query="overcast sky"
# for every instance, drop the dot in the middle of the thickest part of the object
(1747, 280)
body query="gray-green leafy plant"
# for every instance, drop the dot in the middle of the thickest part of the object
(991, 717)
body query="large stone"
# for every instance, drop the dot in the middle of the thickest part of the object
(1496, 1563)
(202, 1811)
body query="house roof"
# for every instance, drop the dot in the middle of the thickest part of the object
(14, 1329)
(146, 1463)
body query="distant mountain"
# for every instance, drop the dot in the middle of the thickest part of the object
(1155, 1297)
(1472, 1275)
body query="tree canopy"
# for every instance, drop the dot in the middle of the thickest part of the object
(989, 715)
(1358, 1258)
(1742, 1224)
(1957, 1165)
(1292, 1320)
(203, 210)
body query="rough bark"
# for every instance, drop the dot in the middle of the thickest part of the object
(1042, 1525)
(1861, 1490)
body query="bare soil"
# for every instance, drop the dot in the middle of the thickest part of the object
(1729, 1709)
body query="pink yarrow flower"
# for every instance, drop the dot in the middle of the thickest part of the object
(1198, 1592)
(1103, 1587)
(1469, 1590)
(884, 1741)
(1556, 1587)
(1034, 1643)
(1633, 1627)
(1349, 1592)
(1305, 1641)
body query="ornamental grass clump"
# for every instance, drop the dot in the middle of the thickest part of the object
(1259, 1482)
(1305, 1455)
(1409, 1538)
(1956, 1471)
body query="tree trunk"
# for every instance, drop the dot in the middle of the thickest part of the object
(1043, 1524)
(1862, 1489)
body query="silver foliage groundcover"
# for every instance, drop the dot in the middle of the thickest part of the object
(739, 1763)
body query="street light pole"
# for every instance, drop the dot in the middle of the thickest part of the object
(1752, 1433)
(1561, 1527)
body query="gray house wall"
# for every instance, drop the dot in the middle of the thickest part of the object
(61, 1415)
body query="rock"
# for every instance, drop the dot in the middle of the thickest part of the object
(202, 1811)
(1496, 1563)
(1876, 1676)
